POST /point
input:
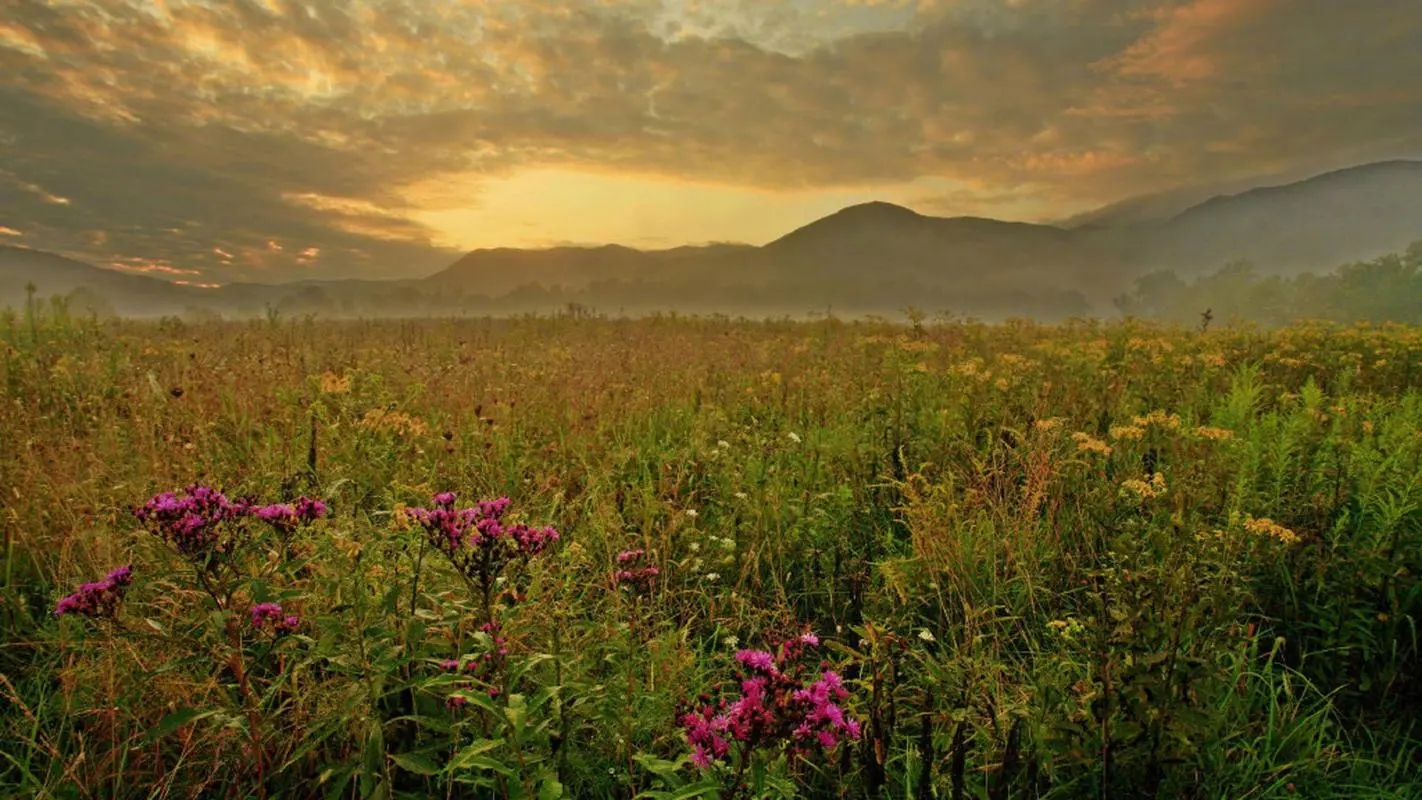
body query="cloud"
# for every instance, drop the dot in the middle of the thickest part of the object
(193, 134)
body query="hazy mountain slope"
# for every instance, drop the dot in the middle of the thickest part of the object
(1316, 224)
(53, 274)
(886, 240)
(869, 256)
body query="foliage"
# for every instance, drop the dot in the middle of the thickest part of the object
(997, 561)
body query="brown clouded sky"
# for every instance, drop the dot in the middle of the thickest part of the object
(281, 139)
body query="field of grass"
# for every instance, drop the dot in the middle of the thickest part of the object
(929, 561)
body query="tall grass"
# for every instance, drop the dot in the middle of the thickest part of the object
(1088, 559)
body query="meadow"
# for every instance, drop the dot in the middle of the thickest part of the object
(570, 556)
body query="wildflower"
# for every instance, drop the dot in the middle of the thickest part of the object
(97, 598)
(775, 707)
(691, 512)
(264, 614)
(731, 642)
(758, 660)
(191, 522)
(485, 667)
(1158, 418)
(1214, 434)
(1145, 490)
(713, 576)
(285, 517)
(1087, 443)
(398, 422)
(1272, 529)
(926, 635)
(332, 383)
(794, 437)
(1128, 432)
(477, 540)
(634, 574)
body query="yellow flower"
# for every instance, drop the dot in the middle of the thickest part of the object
(1145, 490)
(1164, 420)
(1272, 529)
(1215, 434)
(331, 383)
(1131, 432)
(1087, 443)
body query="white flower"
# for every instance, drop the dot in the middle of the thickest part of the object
(926, 635)
(731, 642)
(724, 445)
(696, 547)
(794, 437)
(713, 576)
(741, 495)
(691, 512)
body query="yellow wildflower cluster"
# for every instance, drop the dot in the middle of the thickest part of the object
(1087, 443)
(1047, 425)
(1272, 529)
(917, 346)
(331, 383)
(970, 368)
(1145, 490)
(1132, 432)
(378, 419)
(1170, 422)
(1214, 434)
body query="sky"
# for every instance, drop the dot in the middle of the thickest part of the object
(272, 140)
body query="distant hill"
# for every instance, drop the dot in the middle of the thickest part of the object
(53, 274)
(869, 257)
(1347, 215)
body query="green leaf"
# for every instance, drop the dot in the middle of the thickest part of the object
(414, 762)
(468, 754)
(550, 789)
(173, 721)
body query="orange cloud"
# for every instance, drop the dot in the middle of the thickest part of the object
(1178, 50)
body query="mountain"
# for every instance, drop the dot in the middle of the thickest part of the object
(1347, 215)
(53, 274)
(872, 257)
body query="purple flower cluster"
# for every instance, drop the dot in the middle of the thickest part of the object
(775, 707)
(287, 517)
(97, 598)
(191, 521)
(194, 521)
(271, 614)
(633, 572)
(484, 668)
(477, 538)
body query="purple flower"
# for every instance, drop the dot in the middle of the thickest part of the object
(639, 578)
(190, 522)
(285, 517)
(97, 598)
(775, 708)
(476, 538)
(262, 613)
(757, 660)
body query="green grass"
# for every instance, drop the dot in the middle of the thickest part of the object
(969, 517)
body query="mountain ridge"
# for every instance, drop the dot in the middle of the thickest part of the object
(877, 248)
